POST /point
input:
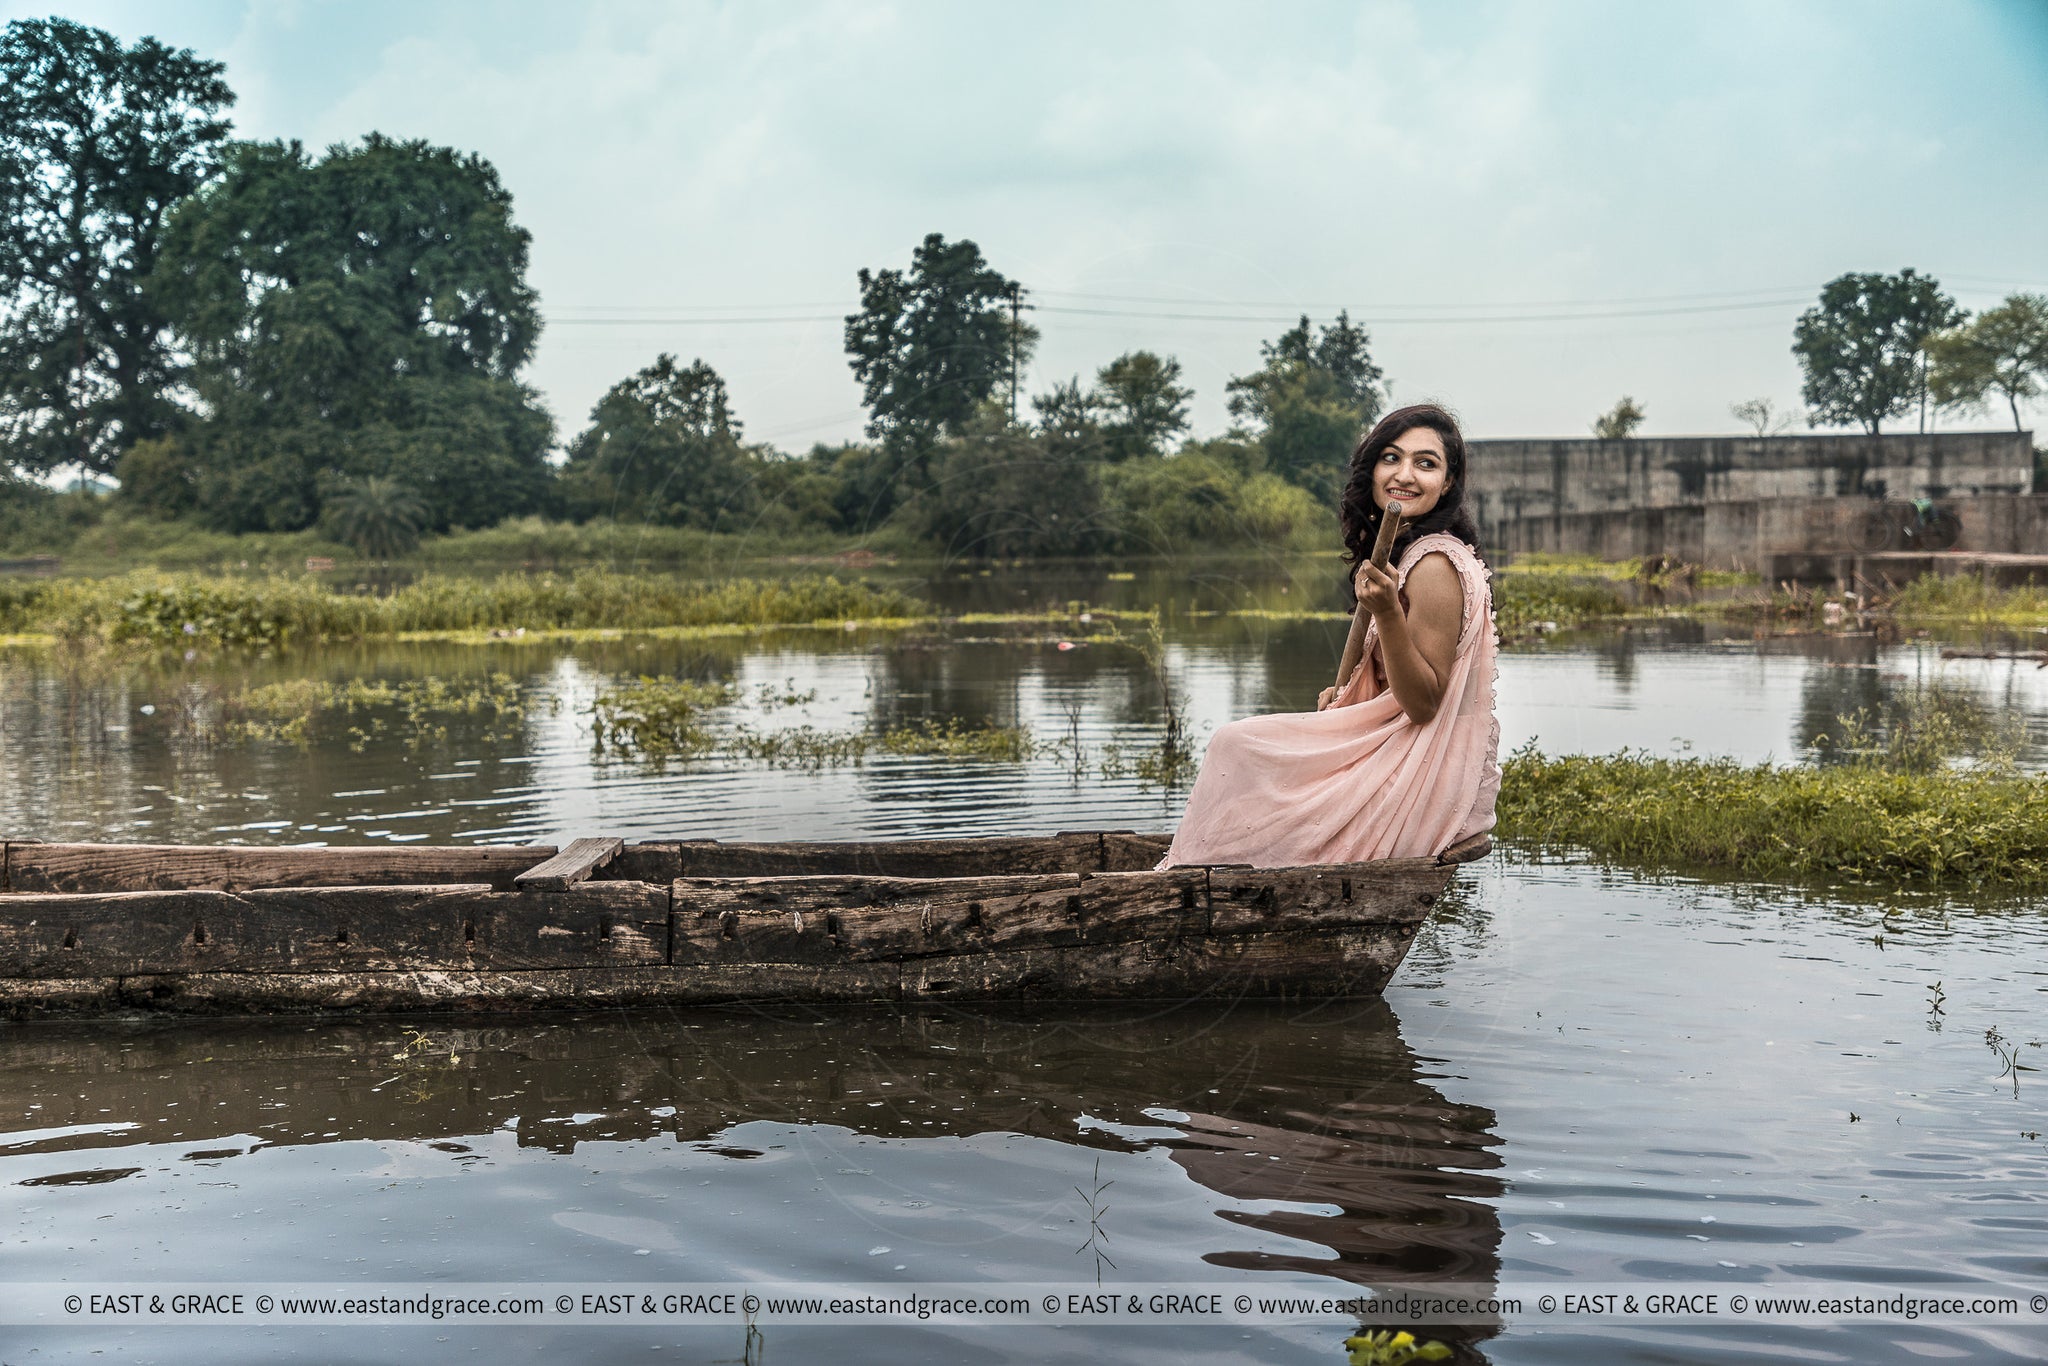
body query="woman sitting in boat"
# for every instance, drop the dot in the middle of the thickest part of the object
(1399, 758)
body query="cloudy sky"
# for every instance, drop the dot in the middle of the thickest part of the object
(1535, 207)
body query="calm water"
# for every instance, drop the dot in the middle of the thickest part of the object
(1544, 1095)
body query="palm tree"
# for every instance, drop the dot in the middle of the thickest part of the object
(380, 517)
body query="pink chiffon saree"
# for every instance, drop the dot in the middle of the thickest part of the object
(1358, 780)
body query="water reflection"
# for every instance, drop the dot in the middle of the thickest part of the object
(1320, 1132)
(100, 747)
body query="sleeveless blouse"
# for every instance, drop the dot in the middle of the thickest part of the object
(1359, 780)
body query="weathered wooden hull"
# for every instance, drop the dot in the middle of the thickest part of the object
(101, 929)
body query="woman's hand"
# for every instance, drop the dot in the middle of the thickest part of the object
(1377, 592)
(1326, 697)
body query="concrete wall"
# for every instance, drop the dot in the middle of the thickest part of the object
(1736, 502)
(1758, 534)
(1511, 480)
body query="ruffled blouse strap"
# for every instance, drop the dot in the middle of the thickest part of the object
(1473, 574)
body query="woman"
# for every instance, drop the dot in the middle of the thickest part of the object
(1398, 759)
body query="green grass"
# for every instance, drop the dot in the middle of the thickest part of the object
(1932, 600)
(1987, 827)
(169, 609)
(1523, 602)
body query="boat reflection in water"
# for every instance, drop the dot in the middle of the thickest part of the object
(1323, 1111)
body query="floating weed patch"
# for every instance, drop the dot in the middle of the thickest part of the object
(951, 740)
(288, 711)
(659, 718)
(1532, 602)
(807, 747)
(1984, 827)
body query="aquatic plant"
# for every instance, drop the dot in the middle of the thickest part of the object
(658, 718)
(1390, 1348)
(172, 609)
(286, 711)
(1967, 598)
(1524, 603)
(1931, 727)
(1979, 828)
(1098, 1210)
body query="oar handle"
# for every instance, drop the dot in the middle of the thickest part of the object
(1383, 544)
(1382, 551)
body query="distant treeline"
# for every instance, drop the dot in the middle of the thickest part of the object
(249, 336)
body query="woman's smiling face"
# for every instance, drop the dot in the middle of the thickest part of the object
(1412, 471)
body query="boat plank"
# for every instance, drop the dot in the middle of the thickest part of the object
(1251, 900)
(572, 865)
(1286, 965)
(1293, 964)
(228, 868)
(363, 928)
(1125, 852)
(857, 919)
(592, 924)
(1066, 853)
(355, 929)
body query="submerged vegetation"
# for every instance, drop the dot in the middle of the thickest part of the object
(287, 711)
(174, 609)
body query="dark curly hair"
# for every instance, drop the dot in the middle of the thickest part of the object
(1359, 516)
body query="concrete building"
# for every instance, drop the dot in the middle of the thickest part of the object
(1766, 504)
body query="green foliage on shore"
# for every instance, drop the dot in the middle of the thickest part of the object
(1966, 598)
(1986, 827)
(171, 609)
(1528, 603)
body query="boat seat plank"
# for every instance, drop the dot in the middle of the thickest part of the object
(571, 866)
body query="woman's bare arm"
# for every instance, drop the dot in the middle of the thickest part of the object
(1418, 643)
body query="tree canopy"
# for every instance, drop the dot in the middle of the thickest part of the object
(662, 446)
(931, 344)
(1311, 401)
(1619, 423)
(98, 143)
(2002, 351)
(1860, 346)
(364, 313)
(1142, 403)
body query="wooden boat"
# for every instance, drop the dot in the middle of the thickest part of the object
(112, 928)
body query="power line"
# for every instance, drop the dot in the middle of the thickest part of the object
(1374, 318)
(1297, 306)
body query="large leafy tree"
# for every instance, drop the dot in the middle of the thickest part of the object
(2003, 351)
(662, 446)
(98, 142)
(1861, 346)
(930, 345)
(1142, 403)
(363, 315)
(1311, 400)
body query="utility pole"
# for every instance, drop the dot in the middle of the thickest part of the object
(1923, 390)
(1016, 341)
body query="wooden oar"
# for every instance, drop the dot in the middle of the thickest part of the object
(1382, 550)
